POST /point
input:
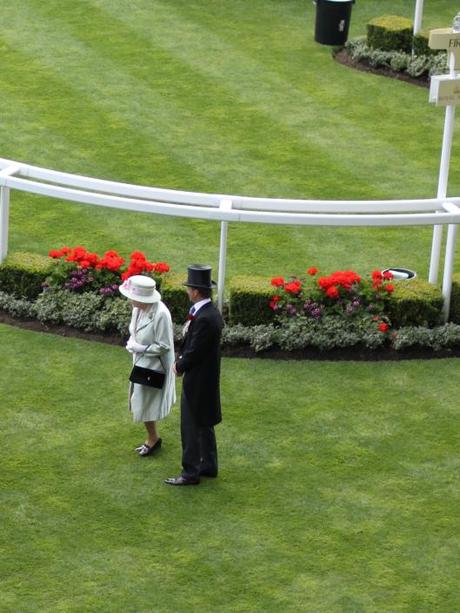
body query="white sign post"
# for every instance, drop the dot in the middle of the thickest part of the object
(445, 91)
(418, 16)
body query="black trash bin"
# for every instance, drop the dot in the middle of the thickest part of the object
(332, 21)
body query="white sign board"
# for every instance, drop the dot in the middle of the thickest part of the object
(446, 38)
(445, 90)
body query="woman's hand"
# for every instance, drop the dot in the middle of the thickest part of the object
(134, 347)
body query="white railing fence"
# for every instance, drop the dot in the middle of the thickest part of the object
(229, 208)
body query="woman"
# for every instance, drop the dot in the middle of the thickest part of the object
(152, 345)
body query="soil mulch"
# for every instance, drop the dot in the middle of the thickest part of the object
(356, 353)
(343, 58)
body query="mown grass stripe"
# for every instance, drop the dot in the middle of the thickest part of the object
(318, 105)
(201, 140)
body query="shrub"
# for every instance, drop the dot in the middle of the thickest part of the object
(75, 310)
(88, 312)
(438, 63)
(357, 49)
(454, 315)
(115, 316)
(415, 303)
(329, 333)
(399, 61)
(175, 297)
(22, 274)
(418, 66)
(380, 59)
(249, 301)
(421, 47)
(441, 337)
(390, 33)
(17, 307)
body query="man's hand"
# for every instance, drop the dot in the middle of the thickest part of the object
(178, 374)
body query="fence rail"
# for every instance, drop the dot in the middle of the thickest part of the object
(226, 208)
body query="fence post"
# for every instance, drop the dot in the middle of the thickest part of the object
(225, 205)
(4, 220)
(448, 269)
(5, 207)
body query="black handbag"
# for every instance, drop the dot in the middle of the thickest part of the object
(147, 376)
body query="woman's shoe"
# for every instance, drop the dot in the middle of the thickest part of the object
(145, 450)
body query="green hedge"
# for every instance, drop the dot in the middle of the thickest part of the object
(421, 47)
(249, 298)
(175, 297)
(390, 33)
(22, 274)
(415, 303)
(455, 300)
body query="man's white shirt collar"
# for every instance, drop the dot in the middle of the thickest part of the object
(197, 306)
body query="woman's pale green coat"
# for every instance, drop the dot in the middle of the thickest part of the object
(153, 328)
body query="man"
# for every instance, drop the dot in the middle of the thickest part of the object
(199, 362)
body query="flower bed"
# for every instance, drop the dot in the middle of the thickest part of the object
(79, 270)
(342, 311)
(343, 296)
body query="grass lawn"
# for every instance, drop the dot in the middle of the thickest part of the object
(230, 97)
(338, 488)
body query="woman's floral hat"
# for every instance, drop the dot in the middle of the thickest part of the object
(140, 289)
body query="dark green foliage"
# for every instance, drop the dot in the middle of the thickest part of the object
(22, 274)
(454, 315)
(420, 42)
(415, 303)
(174, 295)
(390, 33)
(249, 299)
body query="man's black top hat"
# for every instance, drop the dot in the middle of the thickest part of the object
(199, 276)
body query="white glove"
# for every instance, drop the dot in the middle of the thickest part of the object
(134, 347)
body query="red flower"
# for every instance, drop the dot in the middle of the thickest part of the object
(293, 287)
(383, 327)
(139, 264)
(312, 271)
(332, 292)
(390, 288)
(340, 278)
(387, 275)
(277, 281)
(377, 275)
(59, 253)
(161, 267)
(81, 256)
(111, 261)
